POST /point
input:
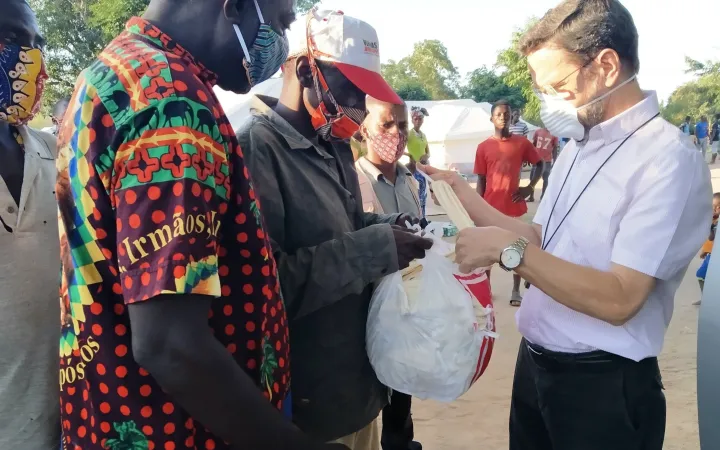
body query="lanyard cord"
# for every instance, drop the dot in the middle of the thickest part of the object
(546, 243)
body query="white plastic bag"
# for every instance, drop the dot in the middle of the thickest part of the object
(432, 337)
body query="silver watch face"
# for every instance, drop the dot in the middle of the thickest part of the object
(510, 258)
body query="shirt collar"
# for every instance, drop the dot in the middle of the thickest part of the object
(142, 27)
(628, 121)
(262, 105)
(374, 172)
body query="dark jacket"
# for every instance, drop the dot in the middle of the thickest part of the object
(329, 252)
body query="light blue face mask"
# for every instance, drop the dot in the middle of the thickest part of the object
(269, 51)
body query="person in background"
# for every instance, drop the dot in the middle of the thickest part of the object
(417, 145)
(607, 248)
(174, 331)
(329, 251)
(421, 184)
(563, 143)
(547, 146)
(517, 126)
(498, 162)
(385, 131)
(715, 138)
(418, 150)
(707, 247)
(29, 414)
(56, 115)
(702, 132)
(686, 127)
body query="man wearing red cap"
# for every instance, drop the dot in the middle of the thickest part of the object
(329, 252)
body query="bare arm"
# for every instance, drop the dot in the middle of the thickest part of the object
(537, 173)
(480, 211)
(614, 296)
(653, 242)
(481, 185)
(171, 339)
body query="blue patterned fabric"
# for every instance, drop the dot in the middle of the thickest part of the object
(267, 54)
(422, 191)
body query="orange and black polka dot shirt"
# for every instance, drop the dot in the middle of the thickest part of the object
(154, 198)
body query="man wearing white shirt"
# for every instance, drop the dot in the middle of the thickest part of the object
(625, 214)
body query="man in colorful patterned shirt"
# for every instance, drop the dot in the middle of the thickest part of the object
(173, 326)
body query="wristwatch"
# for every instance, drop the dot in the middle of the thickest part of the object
(511, 257)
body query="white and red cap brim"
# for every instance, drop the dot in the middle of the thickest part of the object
(352, 46)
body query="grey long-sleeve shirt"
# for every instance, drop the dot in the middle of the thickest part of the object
(329, 253)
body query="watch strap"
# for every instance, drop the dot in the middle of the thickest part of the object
(519, 245)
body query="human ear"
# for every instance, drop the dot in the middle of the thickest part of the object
(303, 71)
(234, 10)
(610, 65)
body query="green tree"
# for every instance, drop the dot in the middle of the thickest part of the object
(484, 85)
(698, 97)
(110, 15)
(429, 67)
(412, 90)
(515, 73)
(72, 43)
(76, 31)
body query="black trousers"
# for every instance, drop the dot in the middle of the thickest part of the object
(397, 432)
(590, 401)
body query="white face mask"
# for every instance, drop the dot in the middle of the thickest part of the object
(561, 117)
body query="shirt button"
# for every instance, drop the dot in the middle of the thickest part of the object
(11, 209)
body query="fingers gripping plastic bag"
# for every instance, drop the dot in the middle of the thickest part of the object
(431, 336)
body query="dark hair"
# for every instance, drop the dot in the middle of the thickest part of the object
(498, 104)
(716, 195)
(585, 28)
(688, 118)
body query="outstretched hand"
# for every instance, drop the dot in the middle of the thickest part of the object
(449, 176)
(409, 246)
(458, 183)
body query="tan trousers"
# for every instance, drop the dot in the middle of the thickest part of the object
(366, 439)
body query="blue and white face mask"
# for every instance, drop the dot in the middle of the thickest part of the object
(269, 51)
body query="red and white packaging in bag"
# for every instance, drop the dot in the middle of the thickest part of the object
(478, 286)
(430, 333)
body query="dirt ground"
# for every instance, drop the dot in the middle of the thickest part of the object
(480, 418)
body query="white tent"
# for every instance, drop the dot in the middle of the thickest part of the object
(454, 129)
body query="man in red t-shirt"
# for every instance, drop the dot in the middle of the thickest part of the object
(546, 145)
(498, 162)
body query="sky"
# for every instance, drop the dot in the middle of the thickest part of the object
(474, 31)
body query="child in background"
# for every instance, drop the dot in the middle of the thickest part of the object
(708, 245)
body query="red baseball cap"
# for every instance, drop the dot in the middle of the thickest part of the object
(353, 47)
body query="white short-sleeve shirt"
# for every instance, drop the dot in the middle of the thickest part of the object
(649, 209)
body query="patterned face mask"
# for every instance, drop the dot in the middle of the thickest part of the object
(388, 146)
(22, 80)
(341, 126)
(269, 51)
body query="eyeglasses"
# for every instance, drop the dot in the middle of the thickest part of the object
(549, 89)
